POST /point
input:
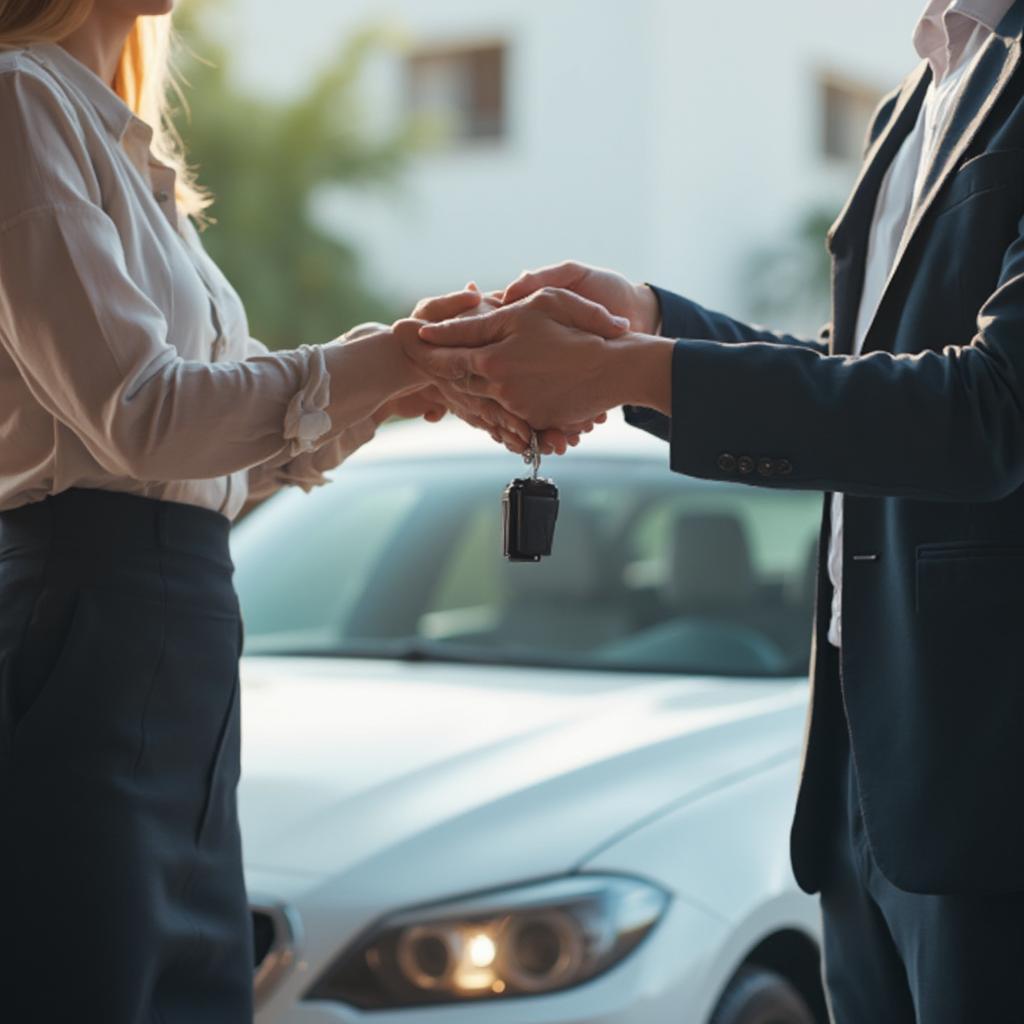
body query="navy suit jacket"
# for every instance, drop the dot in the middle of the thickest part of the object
(924, 433)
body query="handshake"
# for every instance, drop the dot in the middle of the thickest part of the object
(550, 354)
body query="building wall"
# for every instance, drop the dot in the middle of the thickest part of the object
(742, 158)
(666, 138)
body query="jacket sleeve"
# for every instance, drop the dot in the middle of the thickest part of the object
(682, 318)
(945, 423)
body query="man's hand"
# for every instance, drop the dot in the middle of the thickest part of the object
(635, 302)
(548, 359)
(481, 412)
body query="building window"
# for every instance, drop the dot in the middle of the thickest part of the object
(846, 110)
(459, 92)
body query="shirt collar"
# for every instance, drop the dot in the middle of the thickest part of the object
(983, 12)
(115, 114)
(946, 25)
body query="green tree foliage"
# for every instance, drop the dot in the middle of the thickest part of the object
(263, 161)
(789, 284)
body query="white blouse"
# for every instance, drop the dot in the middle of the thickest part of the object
(125, 356)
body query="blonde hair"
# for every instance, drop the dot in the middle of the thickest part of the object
(143, 80)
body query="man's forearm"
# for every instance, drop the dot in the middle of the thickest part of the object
(684, 318)
(933, 426)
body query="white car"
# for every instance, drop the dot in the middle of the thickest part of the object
(477, 792)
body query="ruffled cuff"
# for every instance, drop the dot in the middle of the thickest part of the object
(302, 471)
(302, 474)
(310, 469)
(307, 420)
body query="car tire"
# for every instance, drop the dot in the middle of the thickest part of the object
(759, 996)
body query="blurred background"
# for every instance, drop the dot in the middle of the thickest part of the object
(441, 747)
(367, 153)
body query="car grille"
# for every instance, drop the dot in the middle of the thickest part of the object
(263, 932)
(275, 940)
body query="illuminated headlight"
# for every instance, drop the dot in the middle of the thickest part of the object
(520, 942)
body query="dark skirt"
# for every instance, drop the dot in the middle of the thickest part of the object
(121, 882)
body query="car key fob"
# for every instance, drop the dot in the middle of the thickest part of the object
(529, 508)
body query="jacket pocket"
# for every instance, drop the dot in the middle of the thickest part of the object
(984, 173)
(958, 578)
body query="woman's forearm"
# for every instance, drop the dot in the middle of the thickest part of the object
(366, 371)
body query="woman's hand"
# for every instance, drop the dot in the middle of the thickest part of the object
(376, 355)
(482, 413)
(363, 330)
(554, 359)
(468, 302)
(427, 402)
(484, 416)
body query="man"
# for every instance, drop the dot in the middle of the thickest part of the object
(908, 411)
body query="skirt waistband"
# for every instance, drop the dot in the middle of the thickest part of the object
(112, 520)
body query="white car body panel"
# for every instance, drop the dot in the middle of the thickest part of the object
(373, 786)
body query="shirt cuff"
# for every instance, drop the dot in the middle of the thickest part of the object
(307, 420)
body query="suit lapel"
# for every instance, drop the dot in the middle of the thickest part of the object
(998, 61)
(881, 153)
(848, 237)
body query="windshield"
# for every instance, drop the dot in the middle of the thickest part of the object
(651, 571)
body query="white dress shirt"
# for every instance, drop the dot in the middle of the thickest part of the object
(950, 36)
(125, 356)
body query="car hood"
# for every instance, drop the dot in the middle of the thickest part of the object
(406, 779)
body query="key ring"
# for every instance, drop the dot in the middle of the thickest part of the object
(532, 454)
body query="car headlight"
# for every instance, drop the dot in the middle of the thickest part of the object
(520, 942)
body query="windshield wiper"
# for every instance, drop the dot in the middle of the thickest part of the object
(410, 651)
(426, 652)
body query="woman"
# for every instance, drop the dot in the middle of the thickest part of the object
(136, 418)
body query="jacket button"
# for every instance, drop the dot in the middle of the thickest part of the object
(727, 463)
(784, 467)
(745, 464)
(162, 196)
(766, 467)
